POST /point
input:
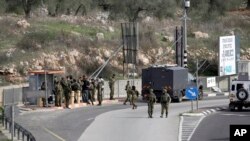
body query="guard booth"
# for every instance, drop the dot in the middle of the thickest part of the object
(36, 78)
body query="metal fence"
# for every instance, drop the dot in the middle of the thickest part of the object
(19, 132)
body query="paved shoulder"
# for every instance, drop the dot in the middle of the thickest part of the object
(190, 121)
(128, 124)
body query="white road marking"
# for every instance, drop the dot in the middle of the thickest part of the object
(180, 129)
(213, 110)
(195, 128)
(240, 115)
(55, 135)
(212, 94)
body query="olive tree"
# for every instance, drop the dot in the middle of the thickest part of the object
(132, 10)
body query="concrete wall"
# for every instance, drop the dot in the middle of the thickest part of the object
(10, 89)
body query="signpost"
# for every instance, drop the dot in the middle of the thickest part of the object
(192, 94)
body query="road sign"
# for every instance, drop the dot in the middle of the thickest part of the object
(191, 93)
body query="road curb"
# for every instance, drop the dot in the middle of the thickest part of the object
(204, 112)
(49, 109)
(216, 94)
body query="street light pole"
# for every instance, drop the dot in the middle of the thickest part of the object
(45, 81)
(186, 6)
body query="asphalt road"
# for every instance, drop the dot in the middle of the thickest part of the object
(110, 122)
(215, 127)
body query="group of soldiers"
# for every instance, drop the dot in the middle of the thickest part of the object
(132, 95)
(88, 87)
(64, 86)
(164, 100)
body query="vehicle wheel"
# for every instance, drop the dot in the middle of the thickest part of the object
(179, 99)
(240, 108)
(242, 94)
(231, 107)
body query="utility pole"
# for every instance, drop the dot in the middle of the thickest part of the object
(186, 6)
(197, 83)
(45, 81)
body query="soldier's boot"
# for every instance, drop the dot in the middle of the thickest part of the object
(166, 114)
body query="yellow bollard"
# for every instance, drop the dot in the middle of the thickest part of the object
(78, 96)
(72, 98)
(39, 102)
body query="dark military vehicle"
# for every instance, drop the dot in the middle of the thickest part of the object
(175, 79)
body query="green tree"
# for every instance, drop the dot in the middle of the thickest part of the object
(211, 9)
(13, 6)
(58, 7)
(248, 4)
(132, 10)
(27, 4)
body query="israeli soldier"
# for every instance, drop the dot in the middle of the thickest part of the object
(93, 89)
(100, 85)
(112, 86)
(66, 91)
(165, 100)
(151, 102)
(75, 87)
(135, 94)
(128, 90)
(43, 88)
(58, 93)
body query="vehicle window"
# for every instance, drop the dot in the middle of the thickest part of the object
(233, 87)
(239, 86)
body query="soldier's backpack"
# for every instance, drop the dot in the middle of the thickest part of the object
(151, 98)
(164, 98)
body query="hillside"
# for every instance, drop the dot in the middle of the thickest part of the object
(80, 44)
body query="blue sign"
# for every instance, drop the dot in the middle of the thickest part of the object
(191, 93)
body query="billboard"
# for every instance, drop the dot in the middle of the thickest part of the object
(211, 82)
(227, 56)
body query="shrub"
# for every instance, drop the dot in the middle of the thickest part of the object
(34, 39)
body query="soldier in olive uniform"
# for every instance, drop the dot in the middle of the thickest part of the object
(165, 100)
(92, 89)
(128, 90)
(75, 87)
(66, 91)
(43, 88)
(100, 85)
(58, 93)
(112, 86)
(135, 94)
(151, 102)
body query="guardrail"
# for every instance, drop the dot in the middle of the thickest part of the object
(19, 132)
